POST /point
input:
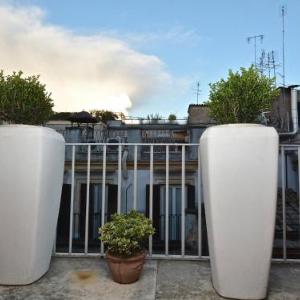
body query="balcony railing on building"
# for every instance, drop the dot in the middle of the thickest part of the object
(166, 188)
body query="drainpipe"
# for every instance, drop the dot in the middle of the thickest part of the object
(124, 164)
(126, 202)
(294, 113)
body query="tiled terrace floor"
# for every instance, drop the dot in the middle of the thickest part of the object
(88, 278)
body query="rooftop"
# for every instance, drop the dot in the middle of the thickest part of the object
(88, 278)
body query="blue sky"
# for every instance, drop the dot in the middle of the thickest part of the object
(193, 40)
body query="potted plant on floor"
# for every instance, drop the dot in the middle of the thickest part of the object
(124, 239)
(239, 175)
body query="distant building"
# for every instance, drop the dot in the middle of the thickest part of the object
(143, 132)
(280, 115)
(124, 138)
(199, 114)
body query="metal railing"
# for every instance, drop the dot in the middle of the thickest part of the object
(116, 174)
(287, 231)
(167, 173)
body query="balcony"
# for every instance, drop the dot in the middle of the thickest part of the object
(168, 191)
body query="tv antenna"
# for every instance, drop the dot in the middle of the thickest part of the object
(262, 62)
(255, 38)
(273, 64)
(283, 14)
(267, 62)
(198, 91)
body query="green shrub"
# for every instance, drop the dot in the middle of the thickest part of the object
(242, 97)
(172, 117)
(125, 234)
(24, 100)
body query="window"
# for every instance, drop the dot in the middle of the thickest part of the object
(174, 212)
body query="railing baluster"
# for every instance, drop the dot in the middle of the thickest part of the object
(72, 201)
(167, 203)
(183, 201)
(283, 166)
(54, 244)
(151, 196)
(119, 178)
(87, 208)
(298, 152)
(103, 193)
(199, 201)
(135, 178)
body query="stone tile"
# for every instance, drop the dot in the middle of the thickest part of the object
(89, 278)
(83, 278)
(184, 280)
(284, 281)
(192, 280)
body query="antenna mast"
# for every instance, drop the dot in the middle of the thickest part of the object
(255, 37)
(198, 91)
(283, 13)
(268, 64)
(262, 63)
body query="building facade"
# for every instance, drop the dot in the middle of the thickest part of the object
(128, 148)
(122, 142)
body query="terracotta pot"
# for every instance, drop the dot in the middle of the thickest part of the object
(126, 270)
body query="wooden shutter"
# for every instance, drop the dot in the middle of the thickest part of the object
(112, 201)
(156, 207)
(191, 199)
(63, 223)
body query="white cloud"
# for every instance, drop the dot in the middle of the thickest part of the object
(176, 36)
(82, 72)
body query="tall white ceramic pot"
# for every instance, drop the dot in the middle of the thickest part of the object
(31, 175)
(239, 172)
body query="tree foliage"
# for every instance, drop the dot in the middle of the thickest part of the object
(172, 117)
(104, 115)
(242, 97)
(24, 100)
(154, 117)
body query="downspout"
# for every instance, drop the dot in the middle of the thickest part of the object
(124, 164)
(294, 114)
(126, 202)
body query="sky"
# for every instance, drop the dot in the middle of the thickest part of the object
(141, 57)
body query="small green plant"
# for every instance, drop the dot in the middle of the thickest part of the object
(154, 118)
(172, 118)
(125, 234)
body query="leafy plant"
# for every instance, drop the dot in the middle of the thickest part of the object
(242, 97)
(24, 100)
(104, 115)
(125, 234)
(172, 117)
(154, 118)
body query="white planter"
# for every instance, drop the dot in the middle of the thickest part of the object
(31, 164)
(239, 172)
